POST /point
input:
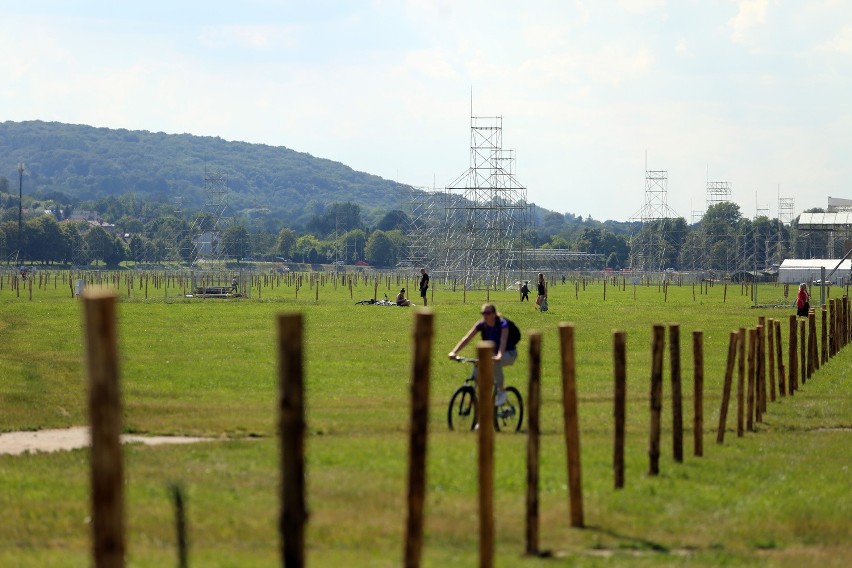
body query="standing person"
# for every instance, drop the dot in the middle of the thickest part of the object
(493, 327)
(234, 284)
(542, 290)
(525, 291)
(803, 304)
(424, 284)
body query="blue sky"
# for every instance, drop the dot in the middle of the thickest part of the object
(753, 92)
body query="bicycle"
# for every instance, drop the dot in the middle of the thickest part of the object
(508, 416)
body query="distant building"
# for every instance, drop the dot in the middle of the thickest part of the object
(797, 270)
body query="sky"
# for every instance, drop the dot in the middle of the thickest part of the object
(591, 93)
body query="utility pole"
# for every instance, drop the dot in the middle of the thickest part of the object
(20, 203)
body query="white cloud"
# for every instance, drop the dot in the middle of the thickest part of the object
(751, 14)
(841, 43)
(641, 6)
(256, 36)
(682, 49)
(434, 64)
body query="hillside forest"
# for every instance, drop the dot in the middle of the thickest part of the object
(136, 196)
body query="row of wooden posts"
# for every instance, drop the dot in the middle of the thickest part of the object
(105, 416)
(251, 283)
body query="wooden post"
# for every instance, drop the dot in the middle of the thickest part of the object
(741, 365)
(832, 338)
(760, 371)
(698, 393)
(813, 349)
(180, 524)
(782, 378)
(533, 441)
(803, 352)
(107, 470)
(752, 376)
(726, 389)
(572, 422)
(677, 393)
(291, 427)
(423, 323)
(769, 336)
(485, 403)
(619, 354)
(657, 346)
(792, 348)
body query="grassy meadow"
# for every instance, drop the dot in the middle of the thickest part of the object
(780, 496)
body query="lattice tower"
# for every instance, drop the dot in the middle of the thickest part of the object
(718, 192)
(485, 228)
(786, 209)
(649, 247)
(207, 231)
(427, 227)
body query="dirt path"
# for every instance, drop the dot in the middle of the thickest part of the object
(15, 443)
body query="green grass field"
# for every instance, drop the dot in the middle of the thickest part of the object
(780, 496)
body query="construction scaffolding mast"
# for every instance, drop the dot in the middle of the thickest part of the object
(651, 245)
(207, 228)
(486, 211)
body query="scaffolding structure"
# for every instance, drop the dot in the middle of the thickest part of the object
(206, 230)
(486, 227)
(718, 192)
(651, 245)
(477, 229)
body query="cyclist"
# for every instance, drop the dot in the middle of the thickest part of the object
(492, 327)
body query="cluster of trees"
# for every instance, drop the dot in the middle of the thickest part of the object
(146, 231)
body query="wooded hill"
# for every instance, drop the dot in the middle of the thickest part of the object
(86, 163)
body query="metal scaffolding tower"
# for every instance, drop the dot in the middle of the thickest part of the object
(485, 228)
(718, 192)
(786, 209)
(650, 246)
(207, 228)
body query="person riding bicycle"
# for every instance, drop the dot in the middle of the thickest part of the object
(492, 327)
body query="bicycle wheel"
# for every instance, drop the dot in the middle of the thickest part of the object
(510, 416)
(461, 413)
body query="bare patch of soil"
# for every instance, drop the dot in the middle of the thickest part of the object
(16, 443)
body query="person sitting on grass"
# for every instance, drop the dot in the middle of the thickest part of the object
(400, 299)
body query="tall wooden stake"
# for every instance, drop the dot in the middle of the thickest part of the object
(657, 346)
(291, 428)
(107, 470)
(572, 423)
(533, 442)
(485, 402)
(726, 388)
(677, 393)
(619, 354)
(423, 323)
(698, 393)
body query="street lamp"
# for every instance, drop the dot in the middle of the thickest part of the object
(20, 203)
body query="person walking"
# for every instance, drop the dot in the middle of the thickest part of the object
(424, 285)
(803, 301)
(525, 291)
(495, 328)
(542, 291)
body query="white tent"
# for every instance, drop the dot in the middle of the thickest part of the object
(797, 270)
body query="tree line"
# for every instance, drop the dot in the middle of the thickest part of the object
(147, 231)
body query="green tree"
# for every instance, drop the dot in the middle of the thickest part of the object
(235, 242)
(380, 249)
(285, 243)
(395, 219)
